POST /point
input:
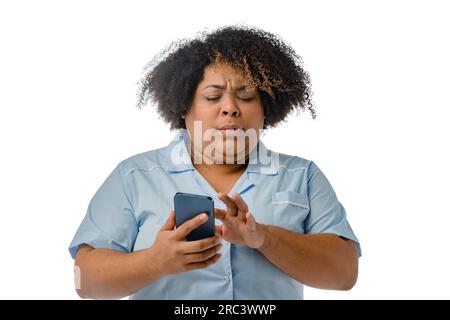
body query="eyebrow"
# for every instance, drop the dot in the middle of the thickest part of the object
(219, 86)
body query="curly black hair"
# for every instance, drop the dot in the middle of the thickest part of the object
(171, 77)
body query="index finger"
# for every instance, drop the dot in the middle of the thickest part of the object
(202, 244)
(186, 228)
(240, 202)
(231, 206)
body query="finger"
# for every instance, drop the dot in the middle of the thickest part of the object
(170, 222)
(231, 206)
(242, 206)
(202, 256)
(219, 230)
(203, 264)
(190, 225)
(219, 213)
(200, 245)
(251, 222)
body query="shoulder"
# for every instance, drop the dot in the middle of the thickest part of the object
(144, 161)
(289, 162)
(292, 165)
(295, 168)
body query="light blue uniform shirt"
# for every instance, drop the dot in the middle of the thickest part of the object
(133, 203)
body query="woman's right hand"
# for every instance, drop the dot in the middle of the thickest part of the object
(172, 253)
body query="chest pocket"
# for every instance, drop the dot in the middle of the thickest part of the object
(290, 210)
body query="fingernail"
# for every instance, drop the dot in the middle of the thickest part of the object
(203, 216)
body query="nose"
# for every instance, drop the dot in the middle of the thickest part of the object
(233, 113)
(229, 107)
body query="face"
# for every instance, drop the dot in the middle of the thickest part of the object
(227, 110)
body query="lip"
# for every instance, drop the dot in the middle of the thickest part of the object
(230, 126)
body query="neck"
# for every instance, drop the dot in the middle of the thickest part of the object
(218, 168)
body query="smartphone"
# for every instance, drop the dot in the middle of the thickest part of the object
(187, 206)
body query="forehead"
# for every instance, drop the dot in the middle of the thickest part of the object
(223, 73)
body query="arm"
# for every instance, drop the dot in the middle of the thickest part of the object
(108, 274)
(322, 261)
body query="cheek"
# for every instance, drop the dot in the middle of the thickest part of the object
(200, 111)
(254, 116)
(204, 113)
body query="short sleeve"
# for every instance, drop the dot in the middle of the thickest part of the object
(109, 222)
(327, 215)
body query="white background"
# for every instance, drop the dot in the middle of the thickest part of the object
(380, 74)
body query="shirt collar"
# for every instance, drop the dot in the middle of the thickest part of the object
(177, 158)
(176, 155)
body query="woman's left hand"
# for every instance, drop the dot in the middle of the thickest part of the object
(238, 225)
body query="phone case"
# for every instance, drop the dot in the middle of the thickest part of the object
(187, 206)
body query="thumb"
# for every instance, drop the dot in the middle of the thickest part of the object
(251, 223)
(170, 222)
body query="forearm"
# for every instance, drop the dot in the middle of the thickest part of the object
(108, 274)
(322, 261)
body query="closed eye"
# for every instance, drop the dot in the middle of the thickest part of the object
(218, 98)
(246, 99)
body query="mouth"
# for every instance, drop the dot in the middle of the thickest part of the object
(230, 128)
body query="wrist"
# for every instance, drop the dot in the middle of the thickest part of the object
(267, 237)
(152, 267)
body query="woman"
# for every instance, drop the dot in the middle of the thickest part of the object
(279, 222)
